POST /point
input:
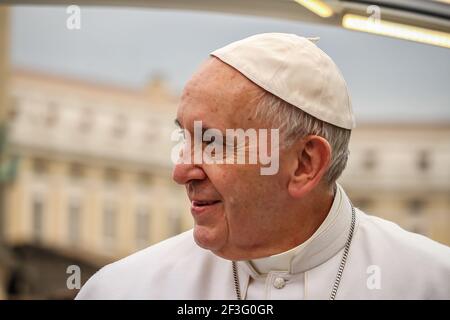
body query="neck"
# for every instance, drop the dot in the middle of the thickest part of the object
(299, 222)
(303, 221)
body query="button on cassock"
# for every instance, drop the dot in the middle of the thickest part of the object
(279, 283)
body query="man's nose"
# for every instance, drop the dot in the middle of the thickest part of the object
(184, 173)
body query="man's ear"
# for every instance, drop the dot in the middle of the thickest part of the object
(313, 159)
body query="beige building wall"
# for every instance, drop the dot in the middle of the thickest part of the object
(124, 166)
(4, 82)
(402, 173)
(57, 192)
(4, 59)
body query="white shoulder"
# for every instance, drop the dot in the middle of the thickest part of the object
(391, 234)
(405, 255)
(135, 276)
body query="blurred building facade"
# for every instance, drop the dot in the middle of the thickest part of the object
(90, 168)
(5, 256)
(401, 172)
(91, 171)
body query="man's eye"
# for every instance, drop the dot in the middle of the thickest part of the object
(215, 140)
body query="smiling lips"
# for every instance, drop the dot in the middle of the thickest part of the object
(196, 203)
(199, 207)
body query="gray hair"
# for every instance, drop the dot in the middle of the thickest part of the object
(295, 124)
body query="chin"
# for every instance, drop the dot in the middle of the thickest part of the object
(208, 238)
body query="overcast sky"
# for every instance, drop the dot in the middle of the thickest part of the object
(389, 80)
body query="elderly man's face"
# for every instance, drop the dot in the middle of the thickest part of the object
(237, 210)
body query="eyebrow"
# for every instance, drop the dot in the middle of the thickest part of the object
(178, 124)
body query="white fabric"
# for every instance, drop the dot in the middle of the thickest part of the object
(407, 266)
(294, 69)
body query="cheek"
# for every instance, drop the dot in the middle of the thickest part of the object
(223, 177)
(248, 195)
(259, 199)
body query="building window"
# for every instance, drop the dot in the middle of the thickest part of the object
(109, 226)
(76, 171)
(142, 227)
(40, 167)
(423, 162)
(144, 180)
(120, 126)
(417, 220)
(415, 206)
(369, 160)
(111, 176)
(51, 117)
(14, 110)
(86, 121)
(74, 223)
(38, 219)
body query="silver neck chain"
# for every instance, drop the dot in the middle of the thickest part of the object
(337, 281)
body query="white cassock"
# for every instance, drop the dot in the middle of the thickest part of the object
(384, 262)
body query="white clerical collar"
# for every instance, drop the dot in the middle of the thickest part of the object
(326, 241)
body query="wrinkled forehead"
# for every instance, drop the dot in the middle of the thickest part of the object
(220, 95)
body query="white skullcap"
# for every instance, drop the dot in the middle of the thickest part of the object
(294, 69)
